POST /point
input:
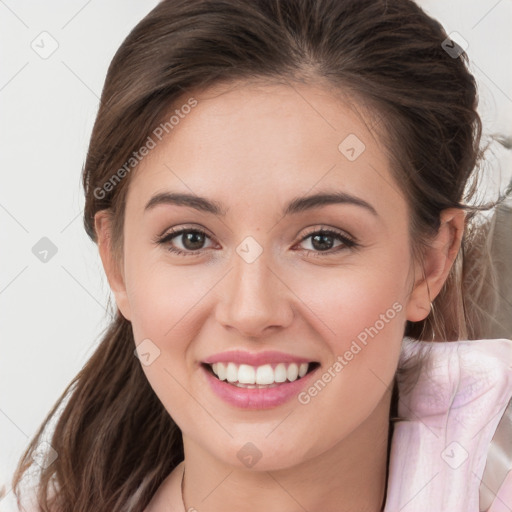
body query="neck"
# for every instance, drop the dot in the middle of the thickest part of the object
(350, 476)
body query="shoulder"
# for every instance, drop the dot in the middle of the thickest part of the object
(455, 427)
(496, 487)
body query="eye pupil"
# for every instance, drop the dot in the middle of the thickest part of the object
(196, 239)
(322, 245)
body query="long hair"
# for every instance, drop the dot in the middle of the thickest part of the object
(114, 440)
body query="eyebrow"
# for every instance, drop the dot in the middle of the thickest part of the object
(297, 205)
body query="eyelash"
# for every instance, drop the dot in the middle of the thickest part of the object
(347, 242)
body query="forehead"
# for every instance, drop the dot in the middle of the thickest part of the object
(261, 141)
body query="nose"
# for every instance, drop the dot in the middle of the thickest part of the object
(255, 300)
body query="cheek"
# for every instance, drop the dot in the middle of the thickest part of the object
(350, 302)
(168, 309)
(165, 302)
(361, 314)
(163, 297)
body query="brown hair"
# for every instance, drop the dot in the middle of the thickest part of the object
(114, 439)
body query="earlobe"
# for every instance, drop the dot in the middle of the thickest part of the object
(438, 259)
(112, 267)
(417, 311)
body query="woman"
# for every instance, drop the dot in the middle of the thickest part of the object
(279, 193)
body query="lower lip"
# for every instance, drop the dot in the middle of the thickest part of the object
(257, 398)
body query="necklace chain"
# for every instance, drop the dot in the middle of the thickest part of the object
(182, 494)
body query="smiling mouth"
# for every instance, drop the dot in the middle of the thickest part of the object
(258, 377)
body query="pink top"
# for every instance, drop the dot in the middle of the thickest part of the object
(455, 451)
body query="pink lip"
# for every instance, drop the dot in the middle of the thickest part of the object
(262, 398)
(258, 359)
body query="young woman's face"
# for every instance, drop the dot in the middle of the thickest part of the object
(269, 268)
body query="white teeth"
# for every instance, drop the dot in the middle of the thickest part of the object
(280, 372)
(232, 372)
(293, 372)
(221, 371)
(264, 374)
(246, 374)
(251, 377)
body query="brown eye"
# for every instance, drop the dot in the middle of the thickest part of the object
(328, 241)
(191, 240)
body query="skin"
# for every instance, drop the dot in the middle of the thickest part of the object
(253, 148)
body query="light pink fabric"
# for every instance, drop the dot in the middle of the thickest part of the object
(438, 457)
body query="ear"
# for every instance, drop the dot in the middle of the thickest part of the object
(113, 267)
(438, 260)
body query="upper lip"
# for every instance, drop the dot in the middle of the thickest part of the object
(255, 359)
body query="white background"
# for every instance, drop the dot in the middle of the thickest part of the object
(52, 314)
